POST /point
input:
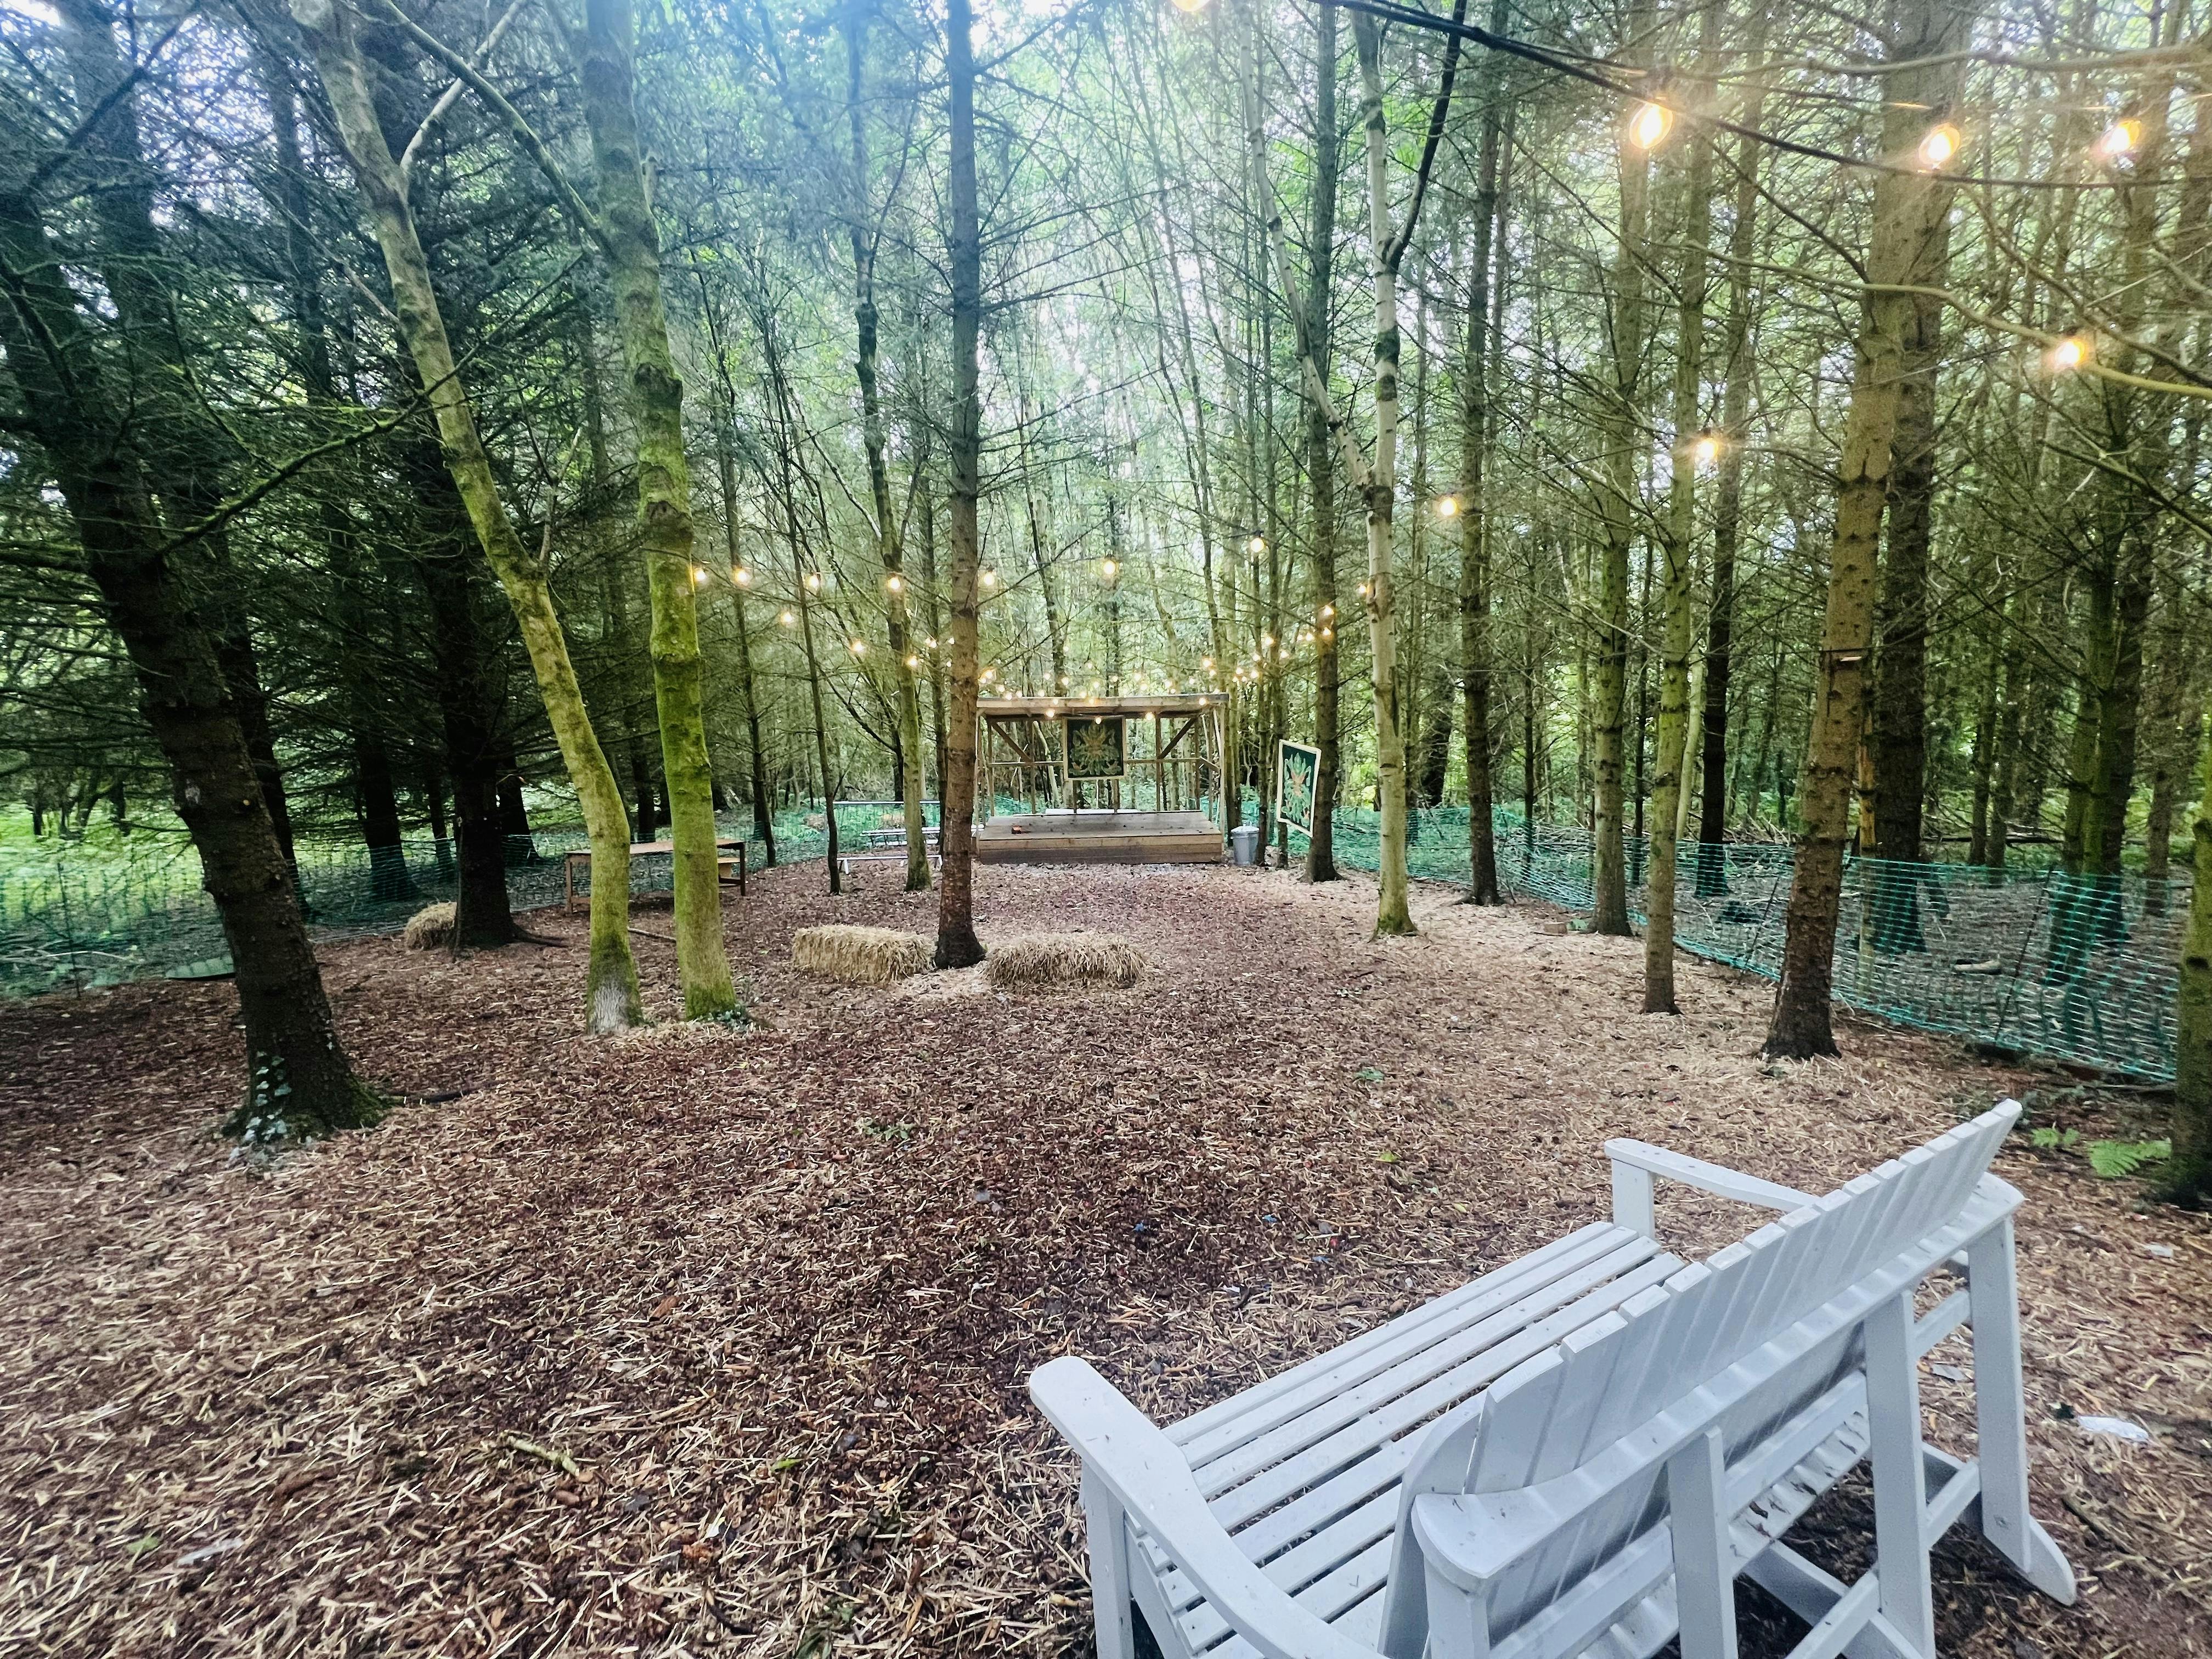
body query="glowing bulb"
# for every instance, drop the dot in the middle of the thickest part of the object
(1266, 639)
(1206, 662)
(742, 577)
(2117, 141)
(2069, 354)
(1940, 145)
(859, 647)
(1111, 568)
(786, 619)
(989, 578)
(1258, 544)
(931, 643)
(1191, 6)
(913, 662)
(1363, 590)
(1706, 449)
(814, 581)
(1328, 632)
(895, 584)
(699, 574)
(1447, 505)
(1649, 124)
(1328, 611)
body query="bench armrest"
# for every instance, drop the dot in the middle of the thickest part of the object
(1635, 1163)
(1149, 1480)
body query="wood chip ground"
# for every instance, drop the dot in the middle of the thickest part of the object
(701, 1342)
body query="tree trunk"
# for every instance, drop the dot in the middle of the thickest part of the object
(378, 793)
(611, 990)
(2188, 1177)
(1321, 464)
(298, 1071)
(957, 943)
(1909, 209)
(631, 242)
(1474, 506)
(1677, 553)
(1617, 499)
(897, 627)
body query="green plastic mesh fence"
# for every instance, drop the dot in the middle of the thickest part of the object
(2071, 967)
(84, 923)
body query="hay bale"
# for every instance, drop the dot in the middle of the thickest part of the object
(860, 955)
(1044, 962)
(429, 928)
(891, 820)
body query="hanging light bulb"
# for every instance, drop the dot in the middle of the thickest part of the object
(2117, 141)
(1258, 544)
(1206, 662)
(1939, 147)
(1705, 450)
(742, 577)
(814, 581)
(787, 619)
(1109, 570)
(931, 643)
(2069, 355)
(1194, 7)
(894, 584)
(1328, 611)
(1447, 507)
(1328, 632)
(989, 578)
(913, 662)
(1649, 124)
(699, 574)
(859, 647)
(1363, 590)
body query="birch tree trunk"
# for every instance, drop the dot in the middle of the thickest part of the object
(610, 984)
(957, 943)
(632, 243)
(1909, 209)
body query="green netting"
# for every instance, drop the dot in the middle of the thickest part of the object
(2071, 967)
(82, 922)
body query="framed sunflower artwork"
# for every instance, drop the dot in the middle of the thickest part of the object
(1097, 749)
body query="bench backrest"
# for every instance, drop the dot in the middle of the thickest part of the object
(1567, 1407)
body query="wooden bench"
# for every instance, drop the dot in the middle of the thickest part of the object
(887, 846)
(1579, 1453)
(729, 871)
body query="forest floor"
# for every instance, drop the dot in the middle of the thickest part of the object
(713, 1342)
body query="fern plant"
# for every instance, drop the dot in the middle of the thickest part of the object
(2114, 1159)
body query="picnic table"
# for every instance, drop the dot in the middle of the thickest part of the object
(730, 871)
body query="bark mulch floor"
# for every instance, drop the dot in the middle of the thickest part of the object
(706, 1341)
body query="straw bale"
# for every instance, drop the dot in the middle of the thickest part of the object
(1041, 962)
(861, 956)
(429, 928)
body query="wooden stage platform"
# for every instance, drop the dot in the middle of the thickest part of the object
(1099, 837)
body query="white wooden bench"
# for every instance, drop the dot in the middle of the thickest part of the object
(1578, 1453)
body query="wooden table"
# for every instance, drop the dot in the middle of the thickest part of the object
(731, 872)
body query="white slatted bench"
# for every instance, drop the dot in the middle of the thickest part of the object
(1579, 1453)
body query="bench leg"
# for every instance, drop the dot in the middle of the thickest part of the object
(1108, 1530)
(1704, 1586)
(1900, 1481)
(2000, 1420)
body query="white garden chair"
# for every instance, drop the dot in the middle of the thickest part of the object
(1579, 1453)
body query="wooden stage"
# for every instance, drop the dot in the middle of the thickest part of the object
(1099, 837)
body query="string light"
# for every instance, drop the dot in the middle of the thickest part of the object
(1328, 632)
(1705, 450)
(1649, 124)
(2117, 141)
(1447, 505)
(814, 581)
(1109, 570)
(931, 643)
(894, 584)
(2069, 355)
(1939, 147)
(787, 619)
(913, 662)
(989, 578)
(859, 647)
(1258, 544)
(1328, 611)
(1206, 662)
(1363, 590)
(1191, 6)
(742, 577)
(699, 574)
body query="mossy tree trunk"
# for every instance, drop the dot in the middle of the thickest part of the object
(2189, 1177)
(631, 241)
(611, 988)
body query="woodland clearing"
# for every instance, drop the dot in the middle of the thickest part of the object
(701, 1340)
